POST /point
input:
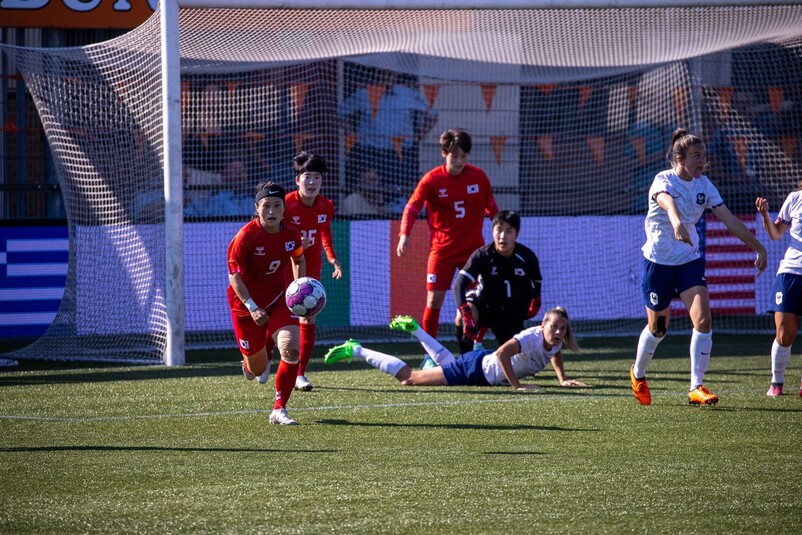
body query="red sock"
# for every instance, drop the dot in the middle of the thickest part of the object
(307, 344)
(431, 321)
(285, 382)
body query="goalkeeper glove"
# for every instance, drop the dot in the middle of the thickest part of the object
(469, 329)
(534, 308)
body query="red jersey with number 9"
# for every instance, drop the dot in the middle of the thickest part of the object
(455, 209)
(263, 260)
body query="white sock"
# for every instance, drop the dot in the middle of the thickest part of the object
(434, 349)
(701, 344)
(387, 363)
(647, 343)
(779, 360)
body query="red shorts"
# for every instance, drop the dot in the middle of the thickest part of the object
(252, 338)
(440, 273)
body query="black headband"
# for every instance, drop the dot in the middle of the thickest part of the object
(273, 191)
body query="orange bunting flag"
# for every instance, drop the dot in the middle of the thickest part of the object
(679, 102)
(10, 126)
(299, 140)
(375, 93)
(186, 95)
(497, 143)
(253, 137)
(596, 144)
(431, 91)
(584, 95)
(788, 145)
(632, 93)
(547, 88)
(546, 145)
(639, 146)
(398, 145)
(776, 95)
(349, 141)
(489, 95)
(298, 95)
(725, 98)
(232, 86)
(741, 144)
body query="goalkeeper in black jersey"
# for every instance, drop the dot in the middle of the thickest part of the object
(499, 286)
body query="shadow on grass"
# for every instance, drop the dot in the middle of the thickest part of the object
(157, 448)
(477, 427)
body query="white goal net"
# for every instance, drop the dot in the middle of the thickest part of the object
(570, 110)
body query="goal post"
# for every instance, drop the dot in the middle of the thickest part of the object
(159, 137)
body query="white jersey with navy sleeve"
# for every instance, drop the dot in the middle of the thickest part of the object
(790, 214)
(532, 358)
(692, 198)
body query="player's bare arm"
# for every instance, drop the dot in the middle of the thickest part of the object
(504, 355)
(667, 203)
(775, 229)
(559, 370)
(259, 316)
(298, 266)
(403, 245)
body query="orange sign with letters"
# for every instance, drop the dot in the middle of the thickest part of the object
(86, 14)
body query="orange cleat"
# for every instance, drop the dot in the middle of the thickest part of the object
(702, 396)
(640, 388)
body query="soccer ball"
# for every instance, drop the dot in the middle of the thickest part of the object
(305, 297)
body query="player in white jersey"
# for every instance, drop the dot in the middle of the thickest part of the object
(673, 265)
(525, 354)
(786, 302)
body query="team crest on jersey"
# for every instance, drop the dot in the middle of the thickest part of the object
(519, 272)
(473, 188)
(289, 245)
(431, 277)
(243, 344)
(653, 298)
(700, 199)
(296, 220)
(442, 193)
(321, 218)
(494, 270)
(778, 298)
(260, 250)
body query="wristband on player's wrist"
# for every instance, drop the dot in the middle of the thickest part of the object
(251, 305)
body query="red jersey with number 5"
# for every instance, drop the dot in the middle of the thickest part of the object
(263, 260)
(313, 222)
(455, 209)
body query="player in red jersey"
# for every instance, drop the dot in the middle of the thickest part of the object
(457, 196)
(311, 213)
(260, 258)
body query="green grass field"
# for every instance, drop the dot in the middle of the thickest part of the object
(112, 449)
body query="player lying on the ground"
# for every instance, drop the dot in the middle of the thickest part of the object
(524, 354)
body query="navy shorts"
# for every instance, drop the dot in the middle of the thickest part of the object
(660, 284)
(467, 370)
(786, 294)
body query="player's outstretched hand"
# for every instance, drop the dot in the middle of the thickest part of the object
(573, 382)
(527, 387)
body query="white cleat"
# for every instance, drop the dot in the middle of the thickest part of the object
(280, 417)
(303, 384)
(262, 379)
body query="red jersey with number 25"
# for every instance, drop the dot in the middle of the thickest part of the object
(264, 261)
(313, 222)
(455, 209)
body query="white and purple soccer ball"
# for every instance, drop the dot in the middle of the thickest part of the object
(305, 297)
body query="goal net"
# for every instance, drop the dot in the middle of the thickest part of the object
(570, 110)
